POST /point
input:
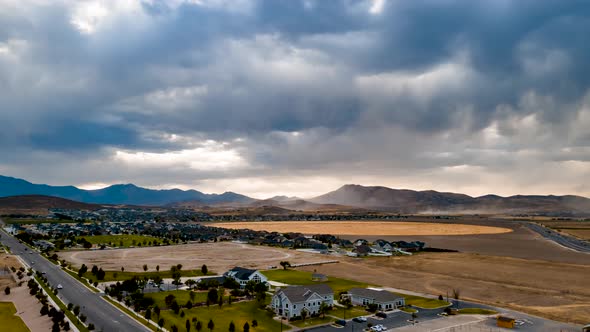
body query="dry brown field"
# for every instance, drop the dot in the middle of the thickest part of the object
(557, 291)
(218, 257)
(579, 229)
(365, 227)
(8, 261)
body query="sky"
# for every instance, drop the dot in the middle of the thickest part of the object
(297, 97)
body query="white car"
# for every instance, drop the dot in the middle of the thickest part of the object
(59, 286)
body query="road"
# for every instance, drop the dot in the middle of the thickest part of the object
(564, 240)
(102, 314)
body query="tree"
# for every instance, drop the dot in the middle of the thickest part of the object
(255, 323)
(94, 269)
(157, 268)
(232, 327)
(55, 327)
(161, 322)
(220, 302)
(122, 269)
(145, 268)
(204, 269)
(100, 274)
(191, 295)
(66, 326)
(440, 297)
(210, 325)
(212, 295)
(7, 290)
(323, 309)
(285, 264)
(44, 310)
(175, 307)
(83, 269)
(148, 314)
(174, 328)
(157, 311)
(198, 326)
(168, 299)
(303, 314)
(76, 310)
(246, 327)
(189, 304)
(187, 324)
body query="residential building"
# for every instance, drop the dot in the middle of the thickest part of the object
(383, 299)
(243, 276)
(291, 301)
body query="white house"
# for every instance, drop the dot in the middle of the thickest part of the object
(290, 301)
(383, 299)
(242, 276)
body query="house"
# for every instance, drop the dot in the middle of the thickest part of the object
(291, 301)
(362, 250)
(505, 322)
(243, 276)
(586, 328)
(383, 299)
(44, 245)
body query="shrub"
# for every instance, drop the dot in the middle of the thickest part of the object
(7, 290)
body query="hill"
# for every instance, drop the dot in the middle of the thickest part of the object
(411, 201)
(38, 204)
(116, 194)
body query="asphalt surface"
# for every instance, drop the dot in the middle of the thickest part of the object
(564, 240)
(397, 319)
(102, 314)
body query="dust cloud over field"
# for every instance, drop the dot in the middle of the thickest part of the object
(365, 227)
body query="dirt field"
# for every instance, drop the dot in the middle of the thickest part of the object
(219, 257)
(554, 290)
(7, 261)
(366, 227)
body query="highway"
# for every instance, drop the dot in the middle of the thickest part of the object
(564, 240)
(102, 314)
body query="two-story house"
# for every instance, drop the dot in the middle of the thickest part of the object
(291, 301)
(243, 276)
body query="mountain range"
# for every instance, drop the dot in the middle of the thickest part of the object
(348, 198)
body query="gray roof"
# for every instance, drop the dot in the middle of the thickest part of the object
(242, 273)
(379, 296)
(297, 294)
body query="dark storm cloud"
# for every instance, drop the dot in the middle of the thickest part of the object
(293, 85)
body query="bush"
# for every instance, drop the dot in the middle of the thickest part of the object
(91, 326)
(7, 290)
(82, 318)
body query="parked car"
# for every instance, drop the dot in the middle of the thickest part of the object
(59, 286)
(341, 322)
(359, 319)
(378, 328)
(381, 314)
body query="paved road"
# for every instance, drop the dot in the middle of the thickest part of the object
(564, 240)
(102, 314)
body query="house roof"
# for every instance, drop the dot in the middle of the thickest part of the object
(379, 296)
(241, 273)
(297, 294)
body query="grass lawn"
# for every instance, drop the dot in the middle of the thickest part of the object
(182, 296)
(477, 311)
(9, 321)
(408, 309)
(295, 277)
(423, 302)
(125, 240)
(239, 313)
(119, 276)
(308, 322)
(338, 312)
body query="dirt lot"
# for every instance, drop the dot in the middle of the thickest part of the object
(219, 257)
(7, 261)
(366, 227)
(554, 290)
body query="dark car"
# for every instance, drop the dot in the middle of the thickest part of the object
(381, 314)
(359, 319)
(341, 322)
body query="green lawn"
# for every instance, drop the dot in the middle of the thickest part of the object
(338, 312)
(124, 240)
(119, 276)
(308, 322)
(408, 309)
(9, 321)
(295, 277)
(477, 311)
(423, 302)
(182, 296)
(239, 313)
